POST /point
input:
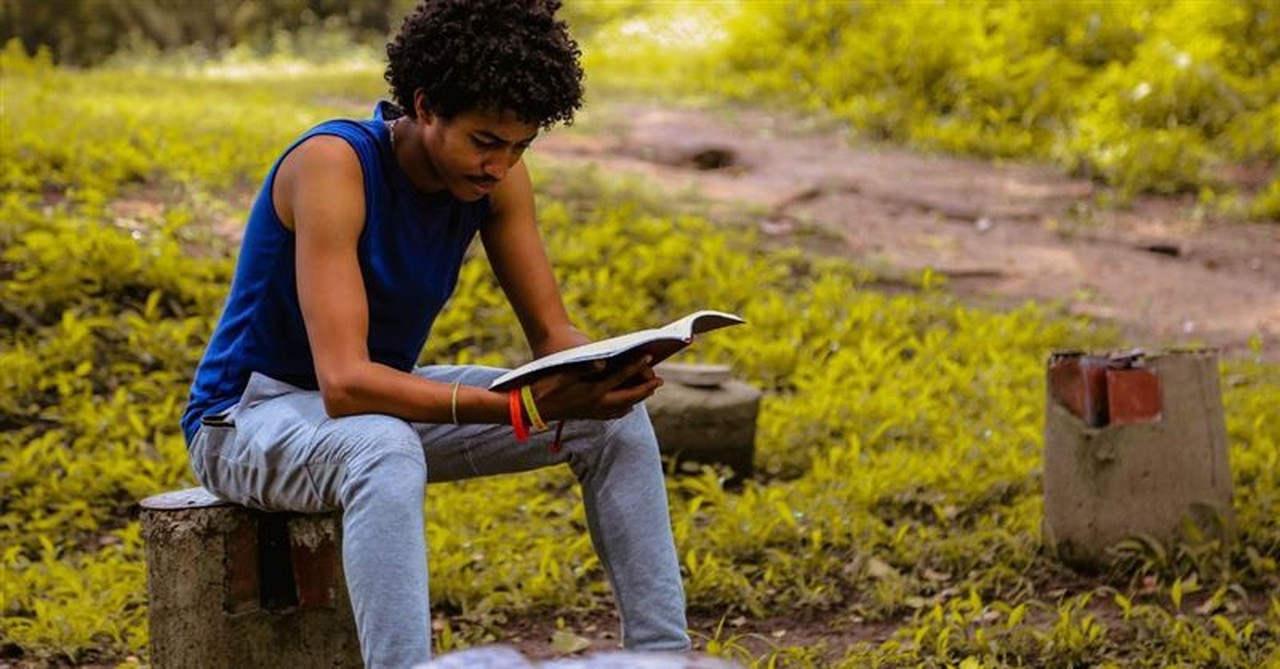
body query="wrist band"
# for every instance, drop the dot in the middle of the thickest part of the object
(517, 420)
(531, 409)
(453, 401)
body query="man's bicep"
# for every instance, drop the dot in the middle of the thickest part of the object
(327, 202)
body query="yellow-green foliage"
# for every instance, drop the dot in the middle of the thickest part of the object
(128, 127)
(899, 441)
(1146, 95)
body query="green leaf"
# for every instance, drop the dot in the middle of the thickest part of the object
(565, 642)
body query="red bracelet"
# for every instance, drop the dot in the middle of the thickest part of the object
(517, 418)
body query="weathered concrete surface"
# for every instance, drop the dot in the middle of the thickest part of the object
(1105, 484)
(504, 657)
(222, 596)
(706, 423)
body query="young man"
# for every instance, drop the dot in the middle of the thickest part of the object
(308, 399)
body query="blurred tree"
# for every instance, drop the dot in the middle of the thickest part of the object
(84, 32)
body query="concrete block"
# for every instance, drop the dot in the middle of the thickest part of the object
(702, 417)
(231, 587)
(1144, 452)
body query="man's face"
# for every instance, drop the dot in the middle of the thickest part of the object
(471, 152)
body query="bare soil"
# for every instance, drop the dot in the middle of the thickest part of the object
(830, 634)
(1159, 268)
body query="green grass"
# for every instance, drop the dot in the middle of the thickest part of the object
(1145, 96)
(898, 447)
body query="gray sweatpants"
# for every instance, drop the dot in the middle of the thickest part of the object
(280, 451)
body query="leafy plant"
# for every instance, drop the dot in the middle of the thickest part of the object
(898, 443)
(1143, 95)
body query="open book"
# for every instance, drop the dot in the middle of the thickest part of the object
(660, 343)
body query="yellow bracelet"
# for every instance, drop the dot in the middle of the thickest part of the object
(526, 394)
(453, 401)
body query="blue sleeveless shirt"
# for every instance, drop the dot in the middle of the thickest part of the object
(410, 252)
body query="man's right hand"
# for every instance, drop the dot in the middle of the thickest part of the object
(583, 393)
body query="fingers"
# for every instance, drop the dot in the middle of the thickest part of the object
(576, 395)
(625, 396)
(638, 369)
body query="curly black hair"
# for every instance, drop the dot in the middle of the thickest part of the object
(510, 55)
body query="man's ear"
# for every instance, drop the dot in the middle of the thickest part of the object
(420, 109)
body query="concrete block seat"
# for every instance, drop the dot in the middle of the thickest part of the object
(234, 587)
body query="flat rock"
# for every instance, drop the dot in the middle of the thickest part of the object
(694, 374)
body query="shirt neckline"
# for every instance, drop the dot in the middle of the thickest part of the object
(383, 113)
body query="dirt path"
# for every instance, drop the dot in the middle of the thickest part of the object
(1003, 234)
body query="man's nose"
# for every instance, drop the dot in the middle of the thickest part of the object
(497, 165)
(497, 168)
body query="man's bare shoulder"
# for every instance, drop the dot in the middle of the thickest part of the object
(320, 165)
(514, 194)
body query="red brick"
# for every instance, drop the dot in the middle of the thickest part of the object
(315, 571)
(1133, 396)
(243, 589)
(1078, 382)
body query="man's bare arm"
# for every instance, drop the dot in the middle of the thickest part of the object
(516, 253)
(319, 192)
